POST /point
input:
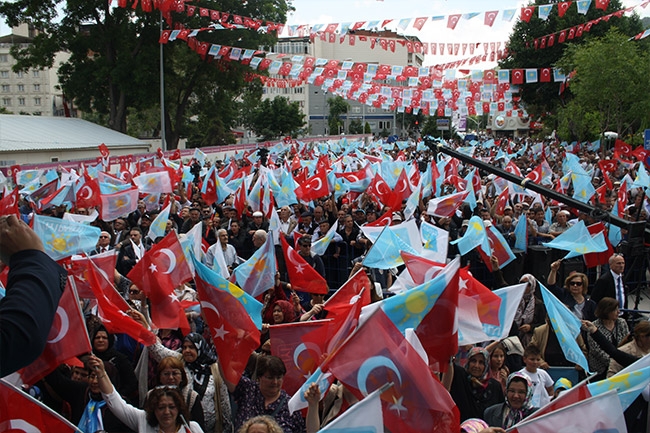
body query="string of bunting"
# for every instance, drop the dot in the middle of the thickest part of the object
(568, 34)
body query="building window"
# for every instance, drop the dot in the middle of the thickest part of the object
(21, 88)
(37, 101)
(37, 87)
(19, 74)
(4, 74)
(6, 102)
(35, 73)
(356, 110)
(6, 88)
(21, 101)
(4, 58)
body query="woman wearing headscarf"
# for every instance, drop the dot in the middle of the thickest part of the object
(103, 347)
(530, 312)
(202, 372)
(471, 388)
(519, 391)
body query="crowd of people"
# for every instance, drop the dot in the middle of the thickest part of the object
(177, 384)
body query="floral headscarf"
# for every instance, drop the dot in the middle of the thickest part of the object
(200, 367)
(513, 416)
(483, 380)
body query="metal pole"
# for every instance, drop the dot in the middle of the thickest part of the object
(598, 214)
(163, 144)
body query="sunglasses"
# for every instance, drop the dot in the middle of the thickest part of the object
(575, 283)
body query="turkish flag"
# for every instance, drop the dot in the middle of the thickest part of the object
(601, 194)
(517, 76)
(103, 150)
(239, 202)
(490, 16)
(314, 187)
(502, 201)
(233, 331)
(417, 401)
(536, 175)
(621, 148)
(602, 4)
(640, 154)
(112, 309)
(419, 268)
(341, 301)
(438, 331)
(527, 13)
(9, 203)
(378, 189)
(160, 270)
(594, 259)
(301, 358)
(68, 338)
(447, 205)
(511, 167)
(452, 20)
(88, 194)
(384, 220)
(22, 413)
(487, 302)
(301, 275)
(401, 192)
(419, 22)
(607, 165)
(562, 7)
(78, 267)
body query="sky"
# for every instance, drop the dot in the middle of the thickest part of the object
(473, 30)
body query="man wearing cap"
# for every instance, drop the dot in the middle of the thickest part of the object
(306, 225)
(304, 249)
(359, 216)
(258, 223)
(561, 223)
(193, 219)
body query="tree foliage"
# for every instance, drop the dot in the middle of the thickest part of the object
(113, 68)
(542, 99)
(274, 118)
(611, 75)
(337, 107)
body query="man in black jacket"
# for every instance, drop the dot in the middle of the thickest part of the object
(34, 286)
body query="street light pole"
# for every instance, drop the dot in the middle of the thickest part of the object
(163, 144)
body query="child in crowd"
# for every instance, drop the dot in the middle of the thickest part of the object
(541, 380)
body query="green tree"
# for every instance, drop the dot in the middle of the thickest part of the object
(113, 69)
(610, 75)
(410, 123)
(337, 107)
(355, 127)
(274, 118)
(542, 99)
(367, 129)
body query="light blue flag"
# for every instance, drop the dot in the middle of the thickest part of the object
(548, 215)
(320, 246)
(578, 241)
(642, 180)
(583, 189)
(408, 308)
(257, 274)
(544, 11)
(614, 233)
(112, 188)
(471, 197)
(594, 146)
(566, 326)
(583, 6)
(284, 193)
(385, 251)
(521, 233)
(62, 238)
(324, 380)
(628, 385)
(474, 236)
(434, 242)
(253, 306)
(159, 224)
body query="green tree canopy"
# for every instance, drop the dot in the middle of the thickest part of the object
(113, 69)
(274, 118)
(338, 106)
(542, 99)
(609, 89)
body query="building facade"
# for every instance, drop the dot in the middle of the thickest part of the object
(312, 99)
(32, 92)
